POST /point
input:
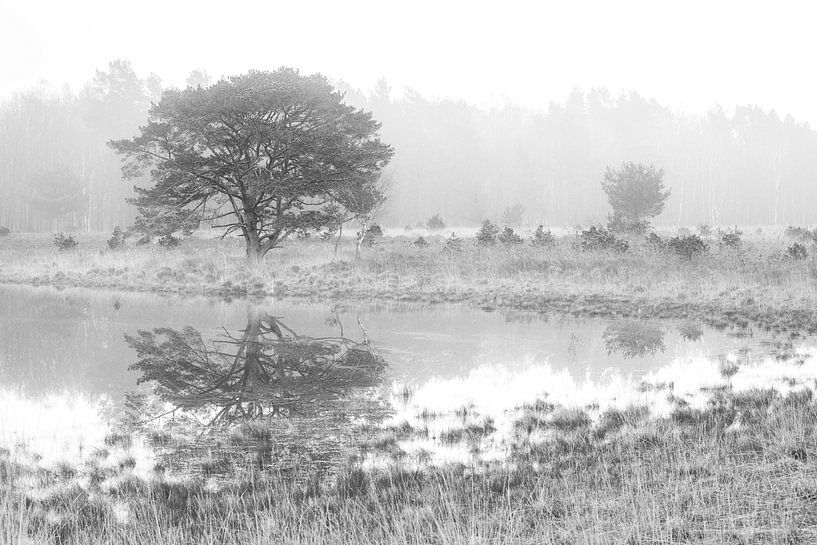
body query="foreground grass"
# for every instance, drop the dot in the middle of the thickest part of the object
(756, 283)
(739, 470)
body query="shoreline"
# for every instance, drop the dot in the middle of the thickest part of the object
(737, 314)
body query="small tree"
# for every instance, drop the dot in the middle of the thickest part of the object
(117, 239)
(508, 237)
(636, 192)
(453, 243)
(687, 246)
(420, 243)
(486, 235)
(435, 223)
(797, 251)
(731, 239)
(65, 242)
(543, 238)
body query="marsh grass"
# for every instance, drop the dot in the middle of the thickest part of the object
(695, 476)
(754, 283)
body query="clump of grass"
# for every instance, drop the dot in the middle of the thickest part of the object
(117, 439)
(569, 419)
(728, 368)
(614, 419)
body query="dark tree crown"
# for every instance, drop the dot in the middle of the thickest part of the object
(266, 153)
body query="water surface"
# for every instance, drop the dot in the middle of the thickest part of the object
(209, 385)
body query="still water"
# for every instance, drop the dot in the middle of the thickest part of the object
(189, 375)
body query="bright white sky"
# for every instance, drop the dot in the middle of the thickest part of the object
(688, 54)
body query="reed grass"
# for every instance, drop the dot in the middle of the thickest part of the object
(739, 470)
(756, 282)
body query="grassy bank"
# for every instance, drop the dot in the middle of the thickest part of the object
(755, 283)
(721, 455)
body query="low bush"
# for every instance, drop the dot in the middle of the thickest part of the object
(687, 245)
(373, 234)
(619, 224)
(797, 251)
(435, 223)
(117, 239)
(543, 238)
(656, 242)
(802, 234)
(599, 238)
(453, 243)
(169, 241)
(731, 239)
(486, 236)
(4, 231)
(420, 243)
(65, 242)
(508, 237)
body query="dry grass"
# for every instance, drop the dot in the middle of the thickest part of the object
(756, 282)
(739, 470)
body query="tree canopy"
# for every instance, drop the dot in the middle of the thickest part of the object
(635, 191)
(266, 154)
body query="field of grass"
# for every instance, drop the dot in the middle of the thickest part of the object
(731, 462)
(756, 282)
(718, 453)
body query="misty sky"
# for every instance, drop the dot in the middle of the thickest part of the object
(688, 55)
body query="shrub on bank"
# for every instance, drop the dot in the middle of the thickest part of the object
(4, 231)
(731, 239)
(687, 246)
(63, 242)
(543, 238)
(508, 237)
(453, 243)
(420, 243)
(797, 251)
(599, 238)
(435, 223)
(169, 241)
(801, 234)
(486, 236)
(117, 239)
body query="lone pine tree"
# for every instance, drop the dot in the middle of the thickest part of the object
(266, 154)
(636, 193)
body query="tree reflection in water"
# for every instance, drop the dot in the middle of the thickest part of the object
(267, 392)
(633, 339)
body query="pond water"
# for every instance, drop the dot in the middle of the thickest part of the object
(76, 362)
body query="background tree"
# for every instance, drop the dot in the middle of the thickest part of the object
(636, 192)
(272, 151)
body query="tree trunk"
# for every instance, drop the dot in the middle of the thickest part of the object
(250, 228)
(361, 237)
(254, 254)
(340, 234)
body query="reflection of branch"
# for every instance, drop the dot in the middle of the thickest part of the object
(269, 369)
(363, 329)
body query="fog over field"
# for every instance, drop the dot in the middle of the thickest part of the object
(486, 108)
(432, 272)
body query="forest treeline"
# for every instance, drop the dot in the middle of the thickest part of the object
(746, 166)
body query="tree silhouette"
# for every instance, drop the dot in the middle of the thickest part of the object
(636, 192)
(264, 398)
(274, 152)
(268, 370)
(633, 339)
